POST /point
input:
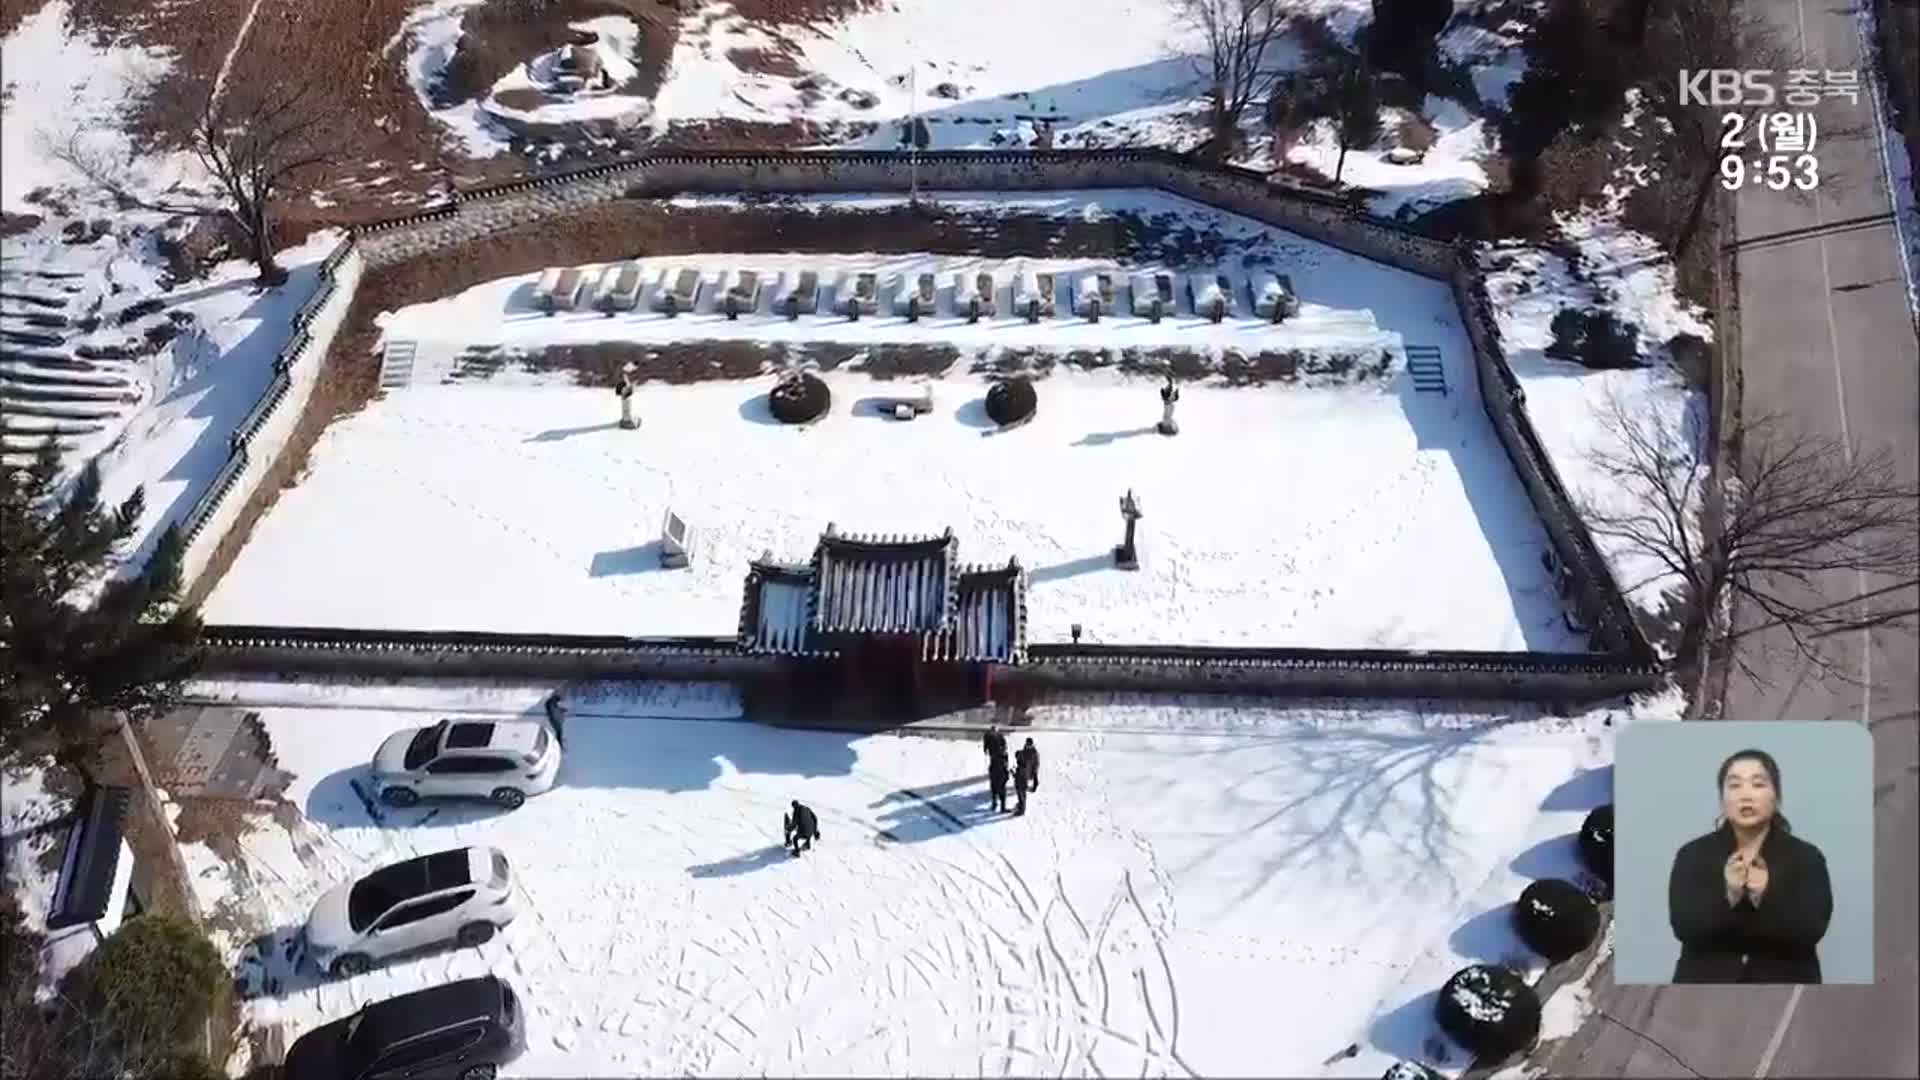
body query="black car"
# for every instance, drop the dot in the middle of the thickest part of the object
(463, 1030)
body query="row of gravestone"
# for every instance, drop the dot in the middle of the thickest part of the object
(1491, 1010)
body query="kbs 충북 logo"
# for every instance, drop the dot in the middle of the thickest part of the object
(1758, 88)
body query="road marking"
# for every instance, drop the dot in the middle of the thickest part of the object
(1779, 1034)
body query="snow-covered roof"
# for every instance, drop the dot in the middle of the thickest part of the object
(886, 585)
(883, 584)
(85, 892)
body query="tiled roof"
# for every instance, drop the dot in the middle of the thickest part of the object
(883, 584)
(989, 619)
(85, 888)
(774, 616)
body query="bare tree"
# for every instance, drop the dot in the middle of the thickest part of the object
(253, 140)
(1238, 67)
(1803, 513)
(1696, 35)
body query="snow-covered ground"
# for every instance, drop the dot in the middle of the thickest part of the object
(1365, 516)
(1452, 168)
(59, 86)
(1573, 407)
(1172, 904)
(978, 69)
(1496, 55)
(601, 98)
(985, 74)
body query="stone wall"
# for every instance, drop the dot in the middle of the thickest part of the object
(404, 655)
(1327, 673)
(256, 444)
(1624, 663)
(1369, 673)
(1312, 213)
(1593, 592)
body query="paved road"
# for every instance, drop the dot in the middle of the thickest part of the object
(1826, 337)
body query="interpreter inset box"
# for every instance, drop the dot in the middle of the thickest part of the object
(1743, 853)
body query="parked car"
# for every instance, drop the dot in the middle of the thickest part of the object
(464, 896)
(502, 760)
(461, 1030)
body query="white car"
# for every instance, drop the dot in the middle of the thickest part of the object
(504, 761)
(464, 896)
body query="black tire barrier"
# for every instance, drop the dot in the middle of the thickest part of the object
(1596, 843)
(799, 399)
(1010, 401)
(1556, 919)
(1489, 1010)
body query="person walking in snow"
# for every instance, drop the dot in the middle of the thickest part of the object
(802, 828)
(1026, 769)
(997, 783)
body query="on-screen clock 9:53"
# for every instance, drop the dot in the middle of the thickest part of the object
(1776, 171)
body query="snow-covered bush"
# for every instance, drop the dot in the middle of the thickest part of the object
(1011, 401)
(799, 398)
(1489, 1010)
(1556, 918)
(1596, 843)
(1409, 1070)
(1595, 339)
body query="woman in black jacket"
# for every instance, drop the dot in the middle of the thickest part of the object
(1749, 901)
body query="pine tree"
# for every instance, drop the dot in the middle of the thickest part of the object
(1403, 37)
(76, 640)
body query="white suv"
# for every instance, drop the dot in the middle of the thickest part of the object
(462, 896)
(505, 761)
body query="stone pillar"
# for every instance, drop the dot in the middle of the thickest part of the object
(1169, 394)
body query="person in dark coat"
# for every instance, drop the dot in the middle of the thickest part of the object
(557, 718)
(1026, 766)
(997, 783)
(1749, 901)
(802, 828)
(994, 742)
